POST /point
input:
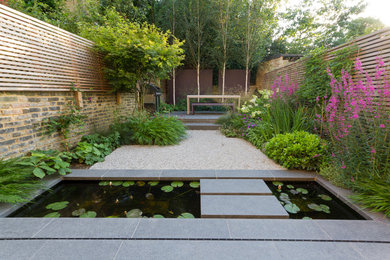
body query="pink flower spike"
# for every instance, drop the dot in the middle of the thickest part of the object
(382, 126)
(373, 150)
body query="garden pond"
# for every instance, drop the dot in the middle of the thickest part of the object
(309, 200)
(115, 199)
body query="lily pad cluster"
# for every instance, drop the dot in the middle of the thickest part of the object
(178, 184)
(56, 206)
(319, 208)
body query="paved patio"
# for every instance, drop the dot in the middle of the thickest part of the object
(201, 150)
(204, 238)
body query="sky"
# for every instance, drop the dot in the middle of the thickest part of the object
(379, 9)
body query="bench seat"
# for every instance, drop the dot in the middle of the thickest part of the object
(232, 105)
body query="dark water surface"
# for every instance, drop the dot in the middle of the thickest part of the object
(146, 199)
(316, 203)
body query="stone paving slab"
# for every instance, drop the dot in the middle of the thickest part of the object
(241, 206)
(355, 230)
(276, 229)
(182, 228)
(132, 175)
(85, 174)
(214, 250)
(187, 174)
(189, 249)
(77, 249)
(234, 187)
(89, 228)
(244, 174)
(22, 227)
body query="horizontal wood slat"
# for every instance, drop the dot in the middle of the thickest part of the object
(37, 56)
(371, 46)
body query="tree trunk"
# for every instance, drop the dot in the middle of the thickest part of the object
(246, 79)
(198, 79)
(174, 86)
(223, 79)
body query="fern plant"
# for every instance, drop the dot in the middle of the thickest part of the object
(17, 183)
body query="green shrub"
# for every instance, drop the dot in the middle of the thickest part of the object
(166, 108)
(94, 148)
(158, 130)
(43, 163)
(17, 182)
(298, 150)
(260, 134)
(231, 124)
(374, 194)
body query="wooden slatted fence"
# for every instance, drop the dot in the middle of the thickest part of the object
(37, 56)
(371, 46)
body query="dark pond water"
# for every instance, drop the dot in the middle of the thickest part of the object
(310, 200)
(116, 199)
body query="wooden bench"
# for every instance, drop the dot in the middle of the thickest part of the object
(232, 105)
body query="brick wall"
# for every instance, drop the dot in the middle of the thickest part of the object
(21, 114)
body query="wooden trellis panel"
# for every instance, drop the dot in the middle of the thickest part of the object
(37, 56)
(371, 46)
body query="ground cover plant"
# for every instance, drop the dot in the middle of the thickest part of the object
(146, 129)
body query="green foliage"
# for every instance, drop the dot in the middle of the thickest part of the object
(317, 81)
(133, 53)
(94, 148)
(62, 123)
(16, 182)
(43, 163)
(155, 130)
(166, 108)
(374, 194)
(231, 125)
(298, 150)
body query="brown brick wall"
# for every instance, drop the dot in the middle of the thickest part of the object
(21, 114)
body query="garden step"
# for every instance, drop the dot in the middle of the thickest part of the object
(202, 126)
(241, 206)
(198, 120)
(234, 187)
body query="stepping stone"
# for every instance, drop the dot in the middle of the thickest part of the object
(241, 206)
(234, 187)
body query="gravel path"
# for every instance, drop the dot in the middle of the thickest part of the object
(201, 150)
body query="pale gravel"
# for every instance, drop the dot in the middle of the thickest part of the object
(200, 150)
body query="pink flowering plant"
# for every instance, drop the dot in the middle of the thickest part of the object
(355, 119)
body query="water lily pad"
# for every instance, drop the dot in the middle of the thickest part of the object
(292, 208)
(116, 183)
(104, 183)
(302, 190)
(277, 183)
(128, 183)
(88, 214)
(140, 183)
(52, 215)
(325, 197)
(294, 192)
(113, 217)
(134, 213)
(284, 197)
(314, 206)
(290, 186)
(78, 212)
(58, 205)
(186, 215)
(325, 208)
(167, 188)
(307, 218)
(177, 184)
(158, 216)
(153, 183)
(194, 184)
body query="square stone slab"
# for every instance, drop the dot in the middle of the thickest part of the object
(234, 187)
(241, 206)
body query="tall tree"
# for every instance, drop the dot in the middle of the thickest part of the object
(224, 8)
(256, 22)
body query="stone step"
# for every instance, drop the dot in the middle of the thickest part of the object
(234, 187)
(241, 206)
(202, 126)
(198, 120)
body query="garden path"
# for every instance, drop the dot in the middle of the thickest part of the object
(201, 150)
